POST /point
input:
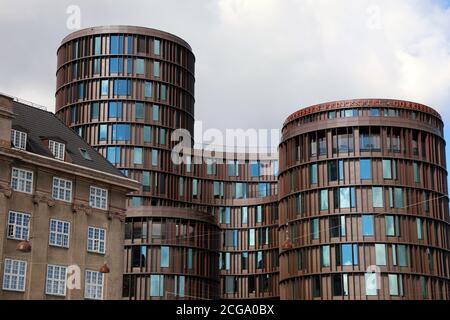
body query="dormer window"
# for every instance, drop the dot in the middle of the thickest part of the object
(57, 148)
(19, 139)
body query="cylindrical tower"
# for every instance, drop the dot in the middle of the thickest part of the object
(125, 90)
(363, 202)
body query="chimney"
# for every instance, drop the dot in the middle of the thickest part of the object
(6, 116)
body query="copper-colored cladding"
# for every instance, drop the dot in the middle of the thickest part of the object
(184, 222)
(330, 261)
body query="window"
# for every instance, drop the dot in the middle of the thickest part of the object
(140, 68)
(375, 112)
(116, 44)
(349, 254)
(103, 132)
(398, 198)
(251, 237)
(138, 158)
(115, 109)
(380, 254)
(368, 225)
(402, 255)
(97, 66)
(148, 89)
(392, 226)
(59, 233)
(139, 110)
(156, 285)
(113, 154)
(316, 286)
(377, 197)
(313, 173)
(156, 68)
(348, 113)
(324, 199)
(233, 168)
(96, 240)
(419, 229)
(116, 65)
(97, 45)
(346, 198)
(93, 286)
(332, 114)
(57, 149)
(121, 132)
(190, 256)
(104, 91)
(254, 168)
(19, 139)
(95, 111)
(164, 257)
(416, 172)
(371, 283)
(365, 166)
(155, 111)
(162, 136)
(62, 189)
(194, 187)
(18, 225)
(244, 215)
(259, 214)
(244, 260)
(157, 47)
(98, 198)
(147, 133)
(122, 87)
(315, 228)
(337, 226)
(56, 280)
(14, 275)
(340, 284)
(393, 285)
(335, 170)
(154, 157)
(387, 169)
(325, 256)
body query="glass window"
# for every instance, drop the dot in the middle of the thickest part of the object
(380, 254)
(259, 214)
(95, 110)
(139, 110)
(156, 285)
(147, 133)
(156, 68)
(325, 256)
(390, 226)
(375, 112)
(315, 228)
(164, 257)
(251, 237)
(244, 213)
(122, 87)
(163, 92)
(371, 283)
(416, 172)
(18, 225)
(155, 112)
(96, 240)
(365, 166)
(138, 158)
(130, 44)
(387, 169)
(324, 199)
(368, 225)
(340, 284)
(98, 198)
(349, 254)
(393, 285)
(313, 173)
(97, 66)
(398, 198)
(59, 233)
(115, 109)
(98, 45)
(19, 139)
(402, 255)
(14, 275)
(154, 157)
(140, 66)
(104, 87)
(254, 167)
(116, 65)
(62, 189)
(103, 132)
(57, 149)
(148, 89)
(121, 132)
(377, 195)
(56, 280)
(116, 44)
(157, 47)
(419, 228)
(162, 136)
(344, 198)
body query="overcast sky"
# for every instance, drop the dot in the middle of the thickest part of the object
(257, 61)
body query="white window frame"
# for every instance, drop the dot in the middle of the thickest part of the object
(13, 226)
(96, 198)
(17, 180)
(90, 287)
(94, 242)
(58, 149)
(65, 189)
(61, 233)
(14, 277)
(19, 139)
(56, 285)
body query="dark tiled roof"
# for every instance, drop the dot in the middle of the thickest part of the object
(40, 124)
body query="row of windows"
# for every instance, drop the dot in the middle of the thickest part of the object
(116, 110)
(22, 181)
(232, 237)
(140, 257)
(19, 140)
(247, 215)
(248, 260)
(158, 286)
(15, 273)
(254, 283)
(59, 235)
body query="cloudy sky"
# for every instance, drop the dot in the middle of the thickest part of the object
(258, 59)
